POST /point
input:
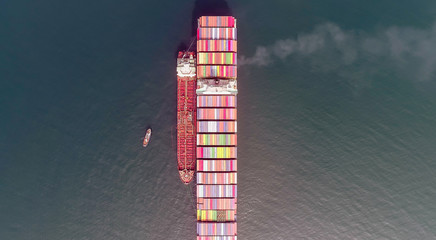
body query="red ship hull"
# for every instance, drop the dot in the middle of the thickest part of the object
(186, 115)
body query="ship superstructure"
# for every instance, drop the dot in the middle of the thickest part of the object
(186, 115)
(216, 128)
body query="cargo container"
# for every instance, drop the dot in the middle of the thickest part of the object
(216, 177)
(216, 101)
(216, 215)
(216, 58)
(217, 238)
(216, 126)
(216, 33)
(217, 46)
(217, 165)
(216, 139)
(216, 113)
(216, 21)
(224, 229)
(217, 191)
(212, 71)
(216, 203)
(216, 152)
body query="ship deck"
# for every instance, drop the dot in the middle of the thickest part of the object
(186, 116)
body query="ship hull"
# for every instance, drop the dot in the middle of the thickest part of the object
(186, 116)
(216, 173)
(146, 138)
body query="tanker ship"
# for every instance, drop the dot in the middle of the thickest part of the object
(186, 115)
(216, 128)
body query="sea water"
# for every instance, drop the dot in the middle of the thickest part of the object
(336, 108)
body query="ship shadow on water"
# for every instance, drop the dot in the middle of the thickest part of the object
(208, 8)
(181, 47)
(201, 8)
(204, 8)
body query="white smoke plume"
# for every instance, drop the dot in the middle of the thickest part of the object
(405, 47)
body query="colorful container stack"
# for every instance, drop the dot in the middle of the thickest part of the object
(216, 128)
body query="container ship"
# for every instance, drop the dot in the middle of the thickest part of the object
(216, 128)
(186, 115)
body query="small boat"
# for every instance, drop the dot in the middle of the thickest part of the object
(147, 137)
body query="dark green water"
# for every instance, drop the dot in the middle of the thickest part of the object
(337, 120)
